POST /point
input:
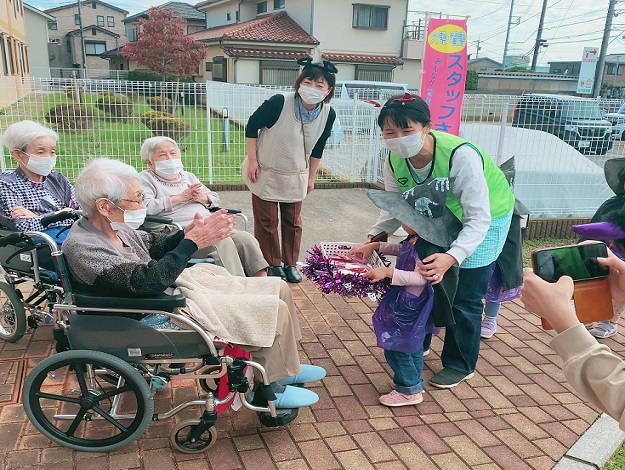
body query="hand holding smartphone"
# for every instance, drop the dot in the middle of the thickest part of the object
(592, 297)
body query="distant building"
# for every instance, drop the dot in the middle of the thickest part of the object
(103, 29)
(37, 36)
(196, 21)
(484, 64)
(15, 66)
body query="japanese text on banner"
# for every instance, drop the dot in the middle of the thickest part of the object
(445, 72)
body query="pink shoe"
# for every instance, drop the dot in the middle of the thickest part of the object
(395, 398)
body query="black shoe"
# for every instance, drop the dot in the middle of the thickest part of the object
(277, 271)
(292, 274)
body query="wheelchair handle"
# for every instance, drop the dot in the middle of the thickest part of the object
(230, 211)
(59, 216)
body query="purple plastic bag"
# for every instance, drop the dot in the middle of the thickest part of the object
(402, 319)
(495, 292)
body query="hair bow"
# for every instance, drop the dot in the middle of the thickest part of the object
(327, 66)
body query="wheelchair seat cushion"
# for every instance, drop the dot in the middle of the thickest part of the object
(161, 302)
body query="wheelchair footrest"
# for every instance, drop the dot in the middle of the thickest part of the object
(284, 416)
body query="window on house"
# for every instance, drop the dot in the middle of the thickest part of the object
(94, 5)
(53, 26)
(278, 4)
(228, 17)
(23, 57)
(68, 45)
(94, 32)
(100, 20)
(110, 21)
(132, 35)
(374, 73)
(95, 48)
(615, 69)
(26, 58)
(261, 7)
(3, 52)
(237, 16)
(370, 16)
(10, 51)
(277, 72)
(76, 19)
(208, 66)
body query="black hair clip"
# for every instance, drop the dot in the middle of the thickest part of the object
(327, 66)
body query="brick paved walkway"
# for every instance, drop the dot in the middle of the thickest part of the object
(516, 413)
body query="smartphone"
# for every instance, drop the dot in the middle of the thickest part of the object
(577, 261)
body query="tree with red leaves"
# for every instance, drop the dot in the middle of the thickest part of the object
(163, 46)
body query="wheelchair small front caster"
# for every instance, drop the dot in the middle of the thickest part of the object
(182, 437)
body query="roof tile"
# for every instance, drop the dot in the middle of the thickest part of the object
(371, 59)
(264, 53)
(277, 27)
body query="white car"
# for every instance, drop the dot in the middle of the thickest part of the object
(618, 123)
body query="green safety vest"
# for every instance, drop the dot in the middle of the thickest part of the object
(445, 145)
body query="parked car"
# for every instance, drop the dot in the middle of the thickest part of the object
(618, 123)
(375, 93)
(577, 121)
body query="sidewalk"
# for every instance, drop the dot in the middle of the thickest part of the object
(516, 413)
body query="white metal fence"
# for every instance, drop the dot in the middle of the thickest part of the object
(559, 160)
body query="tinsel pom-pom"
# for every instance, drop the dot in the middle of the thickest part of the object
(331, 280)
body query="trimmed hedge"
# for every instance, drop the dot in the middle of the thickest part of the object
(70, 117)
(116, 105)
(172, 127)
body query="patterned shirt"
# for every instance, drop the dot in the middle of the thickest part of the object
(54, 193)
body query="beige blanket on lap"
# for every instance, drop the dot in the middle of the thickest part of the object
(239, 310)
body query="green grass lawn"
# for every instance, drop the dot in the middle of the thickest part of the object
(122, 138)
(617, 462)
(531, 245)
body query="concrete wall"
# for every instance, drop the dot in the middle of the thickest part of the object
(515, 84)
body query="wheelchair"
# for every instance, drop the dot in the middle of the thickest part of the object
(97, 392)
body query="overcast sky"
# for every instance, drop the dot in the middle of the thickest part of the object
(570, 25)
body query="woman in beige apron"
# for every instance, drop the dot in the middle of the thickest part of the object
(285, 138)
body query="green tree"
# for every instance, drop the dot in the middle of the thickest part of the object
(472, 78)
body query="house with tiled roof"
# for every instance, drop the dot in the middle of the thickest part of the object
(97, 24)
(196, 20)
(251, 41)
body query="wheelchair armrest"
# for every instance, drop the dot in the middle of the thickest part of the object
(230, 211)
(160, 302)
(157, 219)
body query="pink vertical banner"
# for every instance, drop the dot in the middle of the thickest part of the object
(445, 72)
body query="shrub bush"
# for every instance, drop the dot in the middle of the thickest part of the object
(116, 105)
(70, 117)
(172, 127)
(159, 103)
(148, 116)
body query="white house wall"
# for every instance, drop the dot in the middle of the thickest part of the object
(333, 28)
(37, 38)
(247, 71)
(409, 73)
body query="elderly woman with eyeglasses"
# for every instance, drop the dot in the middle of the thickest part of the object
(107, 255)
(170, 191)
(33, 190)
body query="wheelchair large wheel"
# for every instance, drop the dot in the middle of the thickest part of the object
(72, 406)
(12, 315)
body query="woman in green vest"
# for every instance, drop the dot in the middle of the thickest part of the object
(454, 175)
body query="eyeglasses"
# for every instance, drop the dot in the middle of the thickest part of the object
(136, 202)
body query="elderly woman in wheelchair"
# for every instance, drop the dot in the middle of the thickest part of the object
(171, 191)
(33, 190)
(99, 336)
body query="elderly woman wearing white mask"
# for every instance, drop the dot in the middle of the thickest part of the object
(33, 190)
(172, 192)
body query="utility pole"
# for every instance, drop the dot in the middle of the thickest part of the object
(82, 42)
(505, 47)
(596, 88)
(477, 53)
(539, 33)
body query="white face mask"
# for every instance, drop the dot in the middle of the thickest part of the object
(133, 219)
(406, 146)
(40, 165)
(168, 169)
(311, 95)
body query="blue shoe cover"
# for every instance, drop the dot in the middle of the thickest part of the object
(308, 374)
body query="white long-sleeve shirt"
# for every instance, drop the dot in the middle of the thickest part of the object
(470, 189)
